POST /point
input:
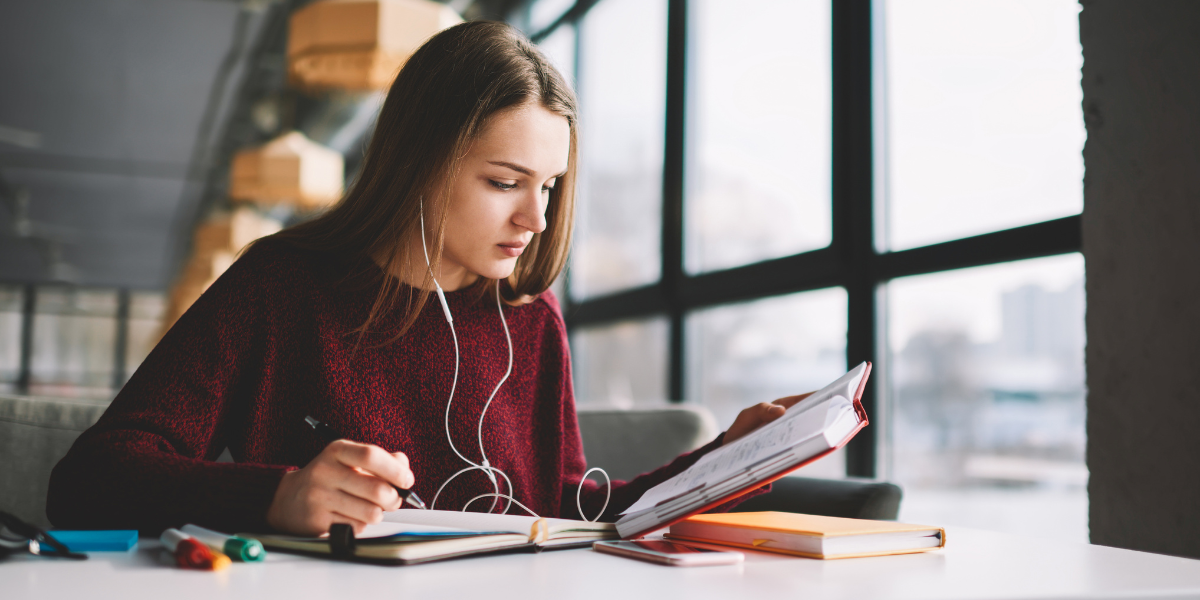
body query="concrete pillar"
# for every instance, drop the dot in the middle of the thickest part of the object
(1141, 241)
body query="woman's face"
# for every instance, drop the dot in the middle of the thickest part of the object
(498, 201)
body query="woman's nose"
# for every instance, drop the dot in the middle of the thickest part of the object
(531, 214)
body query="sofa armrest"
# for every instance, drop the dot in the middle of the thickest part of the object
(627, 443)
(856, 499)
(34, 434)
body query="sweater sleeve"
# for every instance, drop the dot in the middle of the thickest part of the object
(149, 462)
(623, 493)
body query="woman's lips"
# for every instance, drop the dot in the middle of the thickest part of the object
(513, 249)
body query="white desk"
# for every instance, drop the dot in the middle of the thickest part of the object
(975, 564)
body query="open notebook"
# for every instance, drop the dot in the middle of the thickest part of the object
(809, 430)
(416, 536)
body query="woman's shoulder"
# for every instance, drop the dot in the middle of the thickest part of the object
(545, 307)
(274, 251)
(272, 262)
(548, 301)
(545, 311)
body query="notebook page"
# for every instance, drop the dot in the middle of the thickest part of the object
(769, 441)
(453, 519)
(523, 524)
(386, 528)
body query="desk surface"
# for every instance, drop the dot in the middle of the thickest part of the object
(974, 564)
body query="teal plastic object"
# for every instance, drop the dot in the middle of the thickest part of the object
(116, 540)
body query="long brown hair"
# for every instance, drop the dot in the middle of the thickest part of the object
(437, 106)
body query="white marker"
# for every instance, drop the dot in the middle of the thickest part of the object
(235, 547)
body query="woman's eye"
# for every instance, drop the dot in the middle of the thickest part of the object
(500, 185)
(546, 189)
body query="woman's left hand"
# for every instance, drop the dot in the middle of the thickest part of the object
(760, 414)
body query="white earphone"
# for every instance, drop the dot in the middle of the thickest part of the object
(484, 465)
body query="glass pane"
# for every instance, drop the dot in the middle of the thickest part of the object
(743, 354)
(73, 339)
(622, 365)
(146, 313)
(758, 132)
(560, 49)
(543, 13)
(622, 87)
(987, 398)
(985, 127)
(12, 298)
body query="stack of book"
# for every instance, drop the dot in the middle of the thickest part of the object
(809, 535)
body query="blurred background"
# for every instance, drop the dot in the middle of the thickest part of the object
(771, 193)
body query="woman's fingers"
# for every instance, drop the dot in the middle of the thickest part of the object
(354, 508)
(751, 418)
(367, 487)
(393, 468)
(770, 412)
(347, 483)
(760, 414)
(790, 401)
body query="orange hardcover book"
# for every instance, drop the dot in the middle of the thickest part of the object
(811, 536)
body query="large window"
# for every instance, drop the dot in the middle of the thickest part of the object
(147, 311)
(73, 333)
(69, 341)
(622, 81)
(845, 181)
(986, 396)
(11, 301)
(767, 349)
(758, 146)
(621, 365)
(983, 117)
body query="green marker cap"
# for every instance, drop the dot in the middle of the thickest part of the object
(244, 550)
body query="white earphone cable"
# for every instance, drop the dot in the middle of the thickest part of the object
(485, 466)
(483, 413)
(579, 494)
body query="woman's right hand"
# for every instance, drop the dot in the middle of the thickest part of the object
(348, 482)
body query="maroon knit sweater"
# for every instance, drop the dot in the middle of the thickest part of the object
(268, 344)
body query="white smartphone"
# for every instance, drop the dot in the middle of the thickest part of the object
(669, 553)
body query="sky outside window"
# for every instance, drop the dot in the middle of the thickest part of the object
(984, 129)
(621, 365)
(986, 396)
(750, 352)
(622, 102)
(758, 131)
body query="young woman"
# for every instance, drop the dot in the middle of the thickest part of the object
(468, 187)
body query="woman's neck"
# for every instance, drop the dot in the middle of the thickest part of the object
(413, 272)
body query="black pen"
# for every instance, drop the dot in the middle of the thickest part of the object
(329, 435)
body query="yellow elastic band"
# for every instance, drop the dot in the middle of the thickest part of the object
(540, 531)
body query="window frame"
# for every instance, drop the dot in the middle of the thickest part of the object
(29, 312)
(852, 260)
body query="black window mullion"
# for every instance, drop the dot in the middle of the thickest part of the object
(852, 202)
(827, 268)
(28, 310)
(1048, 238)
(673, 190)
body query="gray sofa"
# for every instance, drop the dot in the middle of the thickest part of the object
(36, 432)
